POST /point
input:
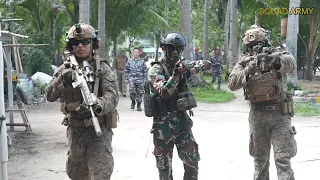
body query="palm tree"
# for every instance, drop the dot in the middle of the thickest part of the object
(226, 34)
(292, 36)
(84, 11)
(102, 28)
(185, 9)
(205, 31)
(233, 44)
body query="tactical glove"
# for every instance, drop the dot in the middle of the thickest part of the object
(251, 68)
(68, 76)
(179, 69)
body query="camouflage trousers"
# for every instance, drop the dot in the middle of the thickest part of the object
(89, 156)
(271, 128)
(121, 77)
(175, 129)
(136, 90)
(216, 74)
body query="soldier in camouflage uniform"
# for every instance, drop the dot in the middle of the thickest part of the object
(171, 124)
(263, 76)
(197, 54)
(136, 74)
(89, 155)
(216, 67)
(143, 55)
(119, 66)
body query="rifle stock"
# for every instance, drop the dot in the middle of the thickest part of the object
(88, 97)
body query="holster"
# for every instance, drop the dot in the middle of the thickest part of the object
(111, 119)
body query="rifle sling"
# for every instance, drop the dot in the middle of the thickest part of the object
(97, 79)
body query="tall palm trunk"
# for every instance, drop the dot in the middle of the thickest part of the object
(185, 9)
(205, 33)
(226, 35)
(84, 11)
(102, 28)
(292, 36)
(233, 44)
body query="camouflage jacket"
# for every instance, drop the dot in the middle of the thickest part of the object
(119, 63)
(198, 56)
(239, 74)
(136, 70)
(108, 97)
(216, 63)
(158, 78)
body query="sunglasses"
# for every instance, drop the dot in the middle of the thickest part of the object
(76, 42)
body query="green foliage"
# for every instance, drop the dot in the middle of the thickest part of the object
(36, 60)
(291, 86)
(307, 109)
(210, 95)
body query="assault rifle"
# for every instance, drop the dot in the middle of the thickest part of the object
(263, 57)
(83, 78)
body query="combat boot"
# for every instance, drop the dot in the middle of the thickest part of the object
(218, 88)
(139, 106)
(133, 103)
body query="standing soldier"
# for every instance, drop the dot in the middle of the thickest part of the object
(197, 54)
(262, 72)
(143, 55)
(119, 66)
(89, 155)
(216, 67)
(170, 99)
(136, 73)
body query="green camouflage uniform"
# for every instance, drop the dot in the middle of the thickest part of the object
(268, 126)
(172, 127)
(89, 156)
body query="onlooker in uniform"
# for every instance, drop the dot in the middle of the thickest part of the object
(216, 67)
(136, 73)
(119, 67)
(197, 54)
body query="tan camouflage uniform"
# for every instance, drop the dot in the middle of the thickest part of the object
(119, 66)
(89, 156)
(268, 125)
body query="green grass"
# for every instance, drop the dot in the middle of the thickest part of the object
(210, 95)
(307, 109)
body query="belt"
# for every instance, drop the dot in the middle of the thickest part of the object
(84, 123)
(272, 107)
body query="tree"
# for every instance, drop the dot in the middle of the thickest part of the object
(84, 11)
(311, 44)
(292, 36)
(102, 28)
(186, 29)
(205, 30)
(233, 44)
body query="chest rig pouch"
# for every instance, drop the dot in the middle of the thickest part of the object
(264, 87)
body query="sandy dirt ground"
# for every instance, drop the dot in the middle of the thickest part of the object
(221, 130)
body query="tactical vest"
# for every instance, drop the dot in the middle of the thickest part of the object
(180, 100)
(264, 87)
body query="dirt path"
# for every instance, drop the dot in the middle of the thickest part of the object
(220, 129)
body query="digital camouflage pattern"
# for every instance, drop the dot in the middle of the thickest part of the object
(136, 74)
(268, 127)
(94, 158)
(198, 56)
(216, 68)
(173, 129)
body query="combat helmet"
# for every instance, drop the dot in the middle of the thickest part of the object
(173, 44)
(82, 31)
(255, 35)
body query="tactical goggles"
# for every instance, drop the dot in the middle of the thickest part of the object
(76, 42)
